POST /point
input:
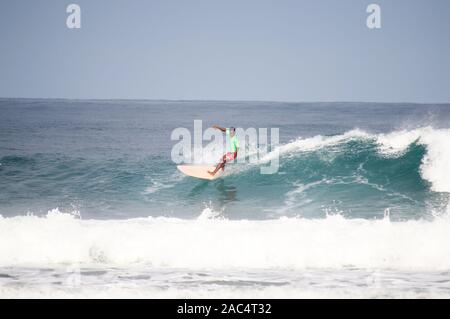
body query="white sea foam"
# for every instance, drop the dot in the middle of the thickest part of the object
(313, 143)
(318, 290)
(159, 183)
(208, 213)
(297, 197)
(287, 243)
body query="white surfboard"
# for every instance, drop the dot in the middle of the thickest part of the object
(198, 171)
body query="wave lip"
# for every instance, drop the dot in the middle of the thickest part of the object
(436, 164)
(286, 243)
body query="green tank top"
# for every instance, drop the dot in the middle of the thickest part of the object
(234, 142)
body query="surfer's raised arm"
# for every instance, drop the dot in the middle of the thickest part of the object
(220, 128)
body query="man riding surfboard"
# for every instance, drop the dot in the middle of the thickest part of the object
(233, 148)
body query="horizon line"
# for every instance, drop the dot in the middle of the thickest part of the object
(216, 100)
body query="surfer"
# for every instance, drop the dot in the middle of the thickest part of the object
(233, 148)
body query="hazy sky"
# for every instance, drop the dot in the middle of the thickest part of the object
(310, 50)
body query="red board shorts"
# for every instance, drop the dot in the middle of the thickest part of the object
(230, 156)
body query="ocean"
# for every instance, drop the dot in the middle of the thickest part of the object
(92, 204)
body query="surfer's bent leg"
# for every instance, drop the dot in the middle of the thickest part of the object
(221, 165)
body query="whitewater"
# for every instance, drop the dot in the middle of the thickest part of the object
(211, 243)
(287, 257)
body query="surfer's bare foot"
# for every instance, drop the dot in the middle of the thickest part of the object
(211, 173)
